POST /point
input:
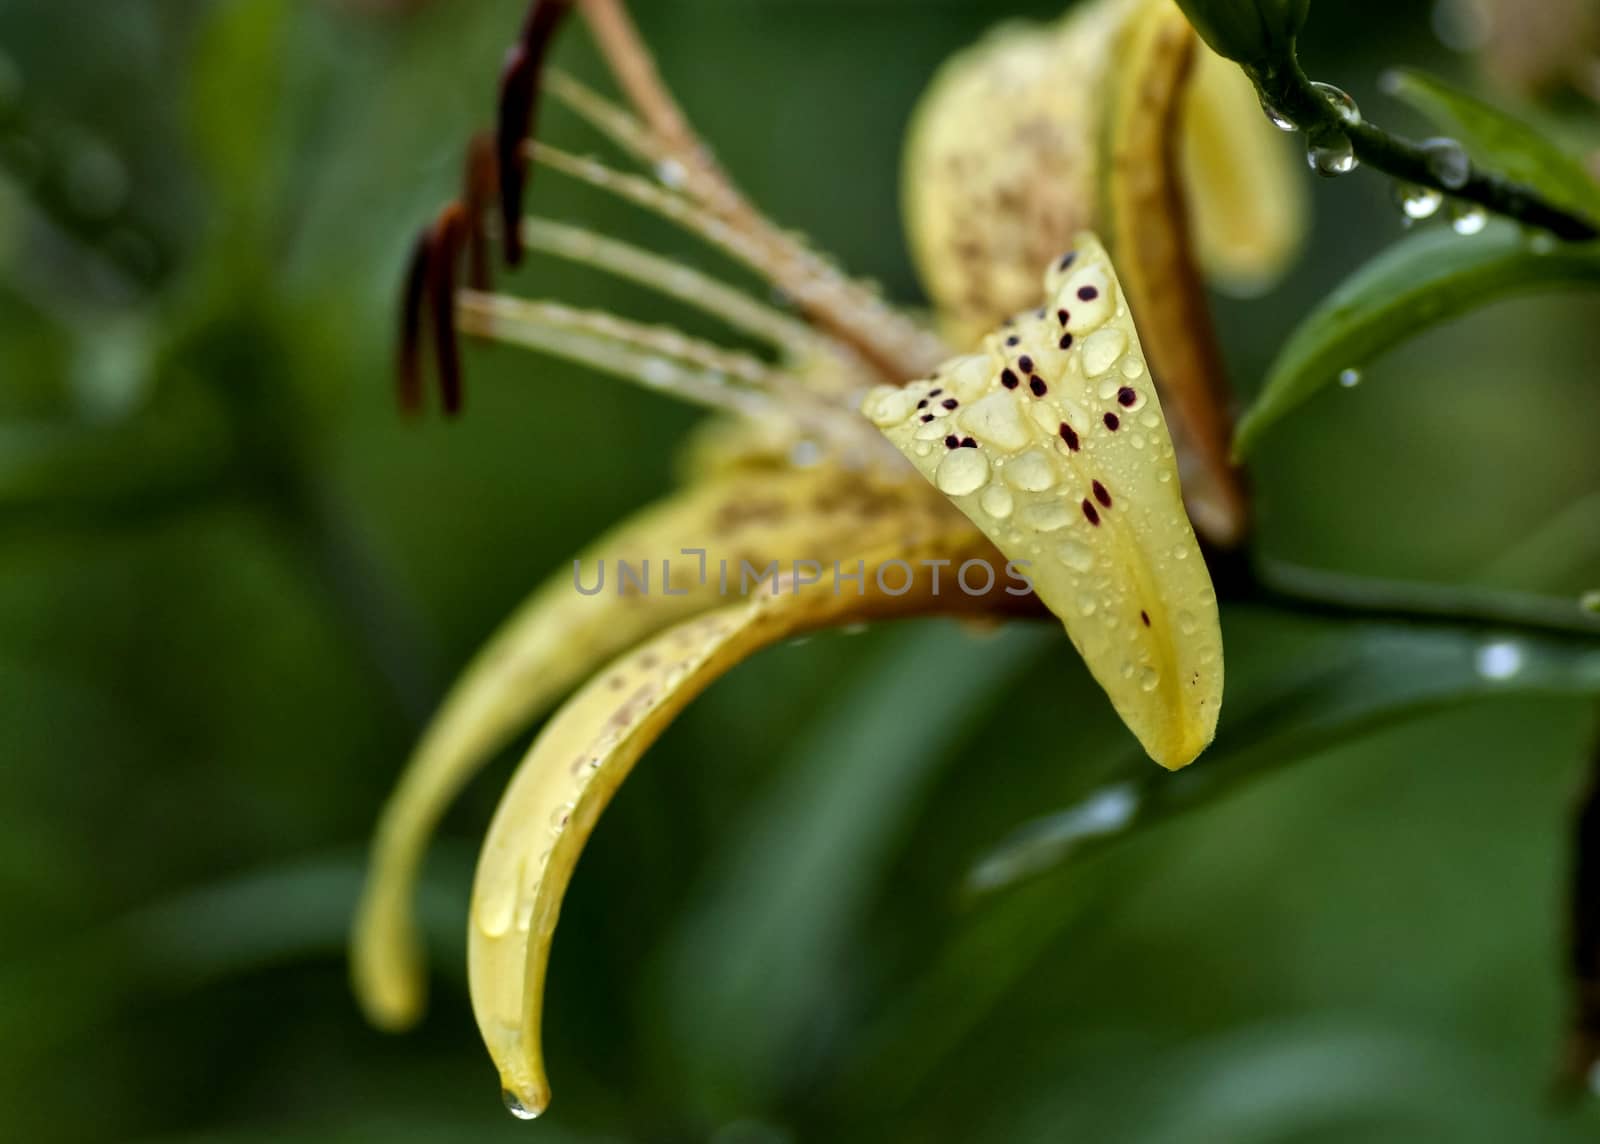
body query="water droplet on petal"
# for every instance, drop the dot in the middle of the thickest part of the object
(1417, 202)
(1448, 162)
(961, 472)
(997, 501)
(1350, 378)
(1343, 105)
(1330, 153)
(516, 1107)
(1077, 556)
(1468, 218)
(1149, 679)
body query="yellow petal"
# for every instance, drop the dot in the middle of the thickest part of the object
(589, 747)
(1055, 446)
(560, 635)
(1002, 162)
(1145, 206)
(1246, 189)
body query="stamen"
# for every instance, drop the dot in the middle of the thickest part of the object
(408, 365)
(675, 280)
(449, 232)
(519, 95)
(662, 358)
(482, 179)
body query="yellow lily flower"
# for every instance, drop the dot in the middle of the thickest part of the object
(1022, 450)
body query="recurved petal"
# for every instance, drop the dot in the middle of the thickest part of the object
(588, 748)
(1245, 186)
(560, 635)
(1002, 161)
(1052, 441)
(1145, 205)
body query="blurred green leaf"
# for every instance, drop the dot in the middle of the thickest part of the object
(1417, 283)
(759, 958)
(237, 94)
(1354, 677)
(1516, 149)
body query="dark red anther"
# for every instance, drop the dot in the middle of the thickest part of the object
(519, 94)
(449, 233)
(408, 365)
(480, 186)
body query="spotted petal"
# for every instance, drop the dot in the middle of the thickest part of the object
(589, 747)
(1052, 441)
(561, 635)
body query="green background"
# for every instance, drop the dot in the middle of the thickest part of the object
(233, 582)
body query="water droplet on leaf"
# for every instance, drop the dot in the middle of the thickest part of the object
(1499, 660)
(1350, 378)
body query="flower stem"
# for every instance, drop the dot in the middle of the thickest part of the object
(1291, 94)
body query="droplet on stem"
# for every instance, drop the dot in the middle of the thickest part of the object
(1468, 218)
(1350, 378)
(1417, 202)
(1448, 162)
(1343, 105)
(1330, 153)
(1275, 117)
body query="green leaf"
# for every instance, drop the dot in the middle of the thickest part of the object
(1353, 678)
(756, 959)
(1415, 284)
(1500, 140)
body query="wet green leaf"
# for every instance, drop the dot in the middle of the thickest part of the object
(1503, 142)
(756, 959)
(1353, 678)
(1417, 283)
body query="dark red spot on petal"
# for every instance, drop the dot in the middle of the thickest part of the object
(1008, 379)
(1145, 616)
(1090, 512)
(1065, 342)
(1038, 386)
(1063, 317)
(927, 417)
(1070, 436)
(1102, 494)
(949, 403)
(1087, 293)
(1126, 396)
(923, 404)
(1025, 363)
(1113, 422)
(1067, 259)
(1013, 340)
(968, 443)
(952, 442)
(935, 392)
